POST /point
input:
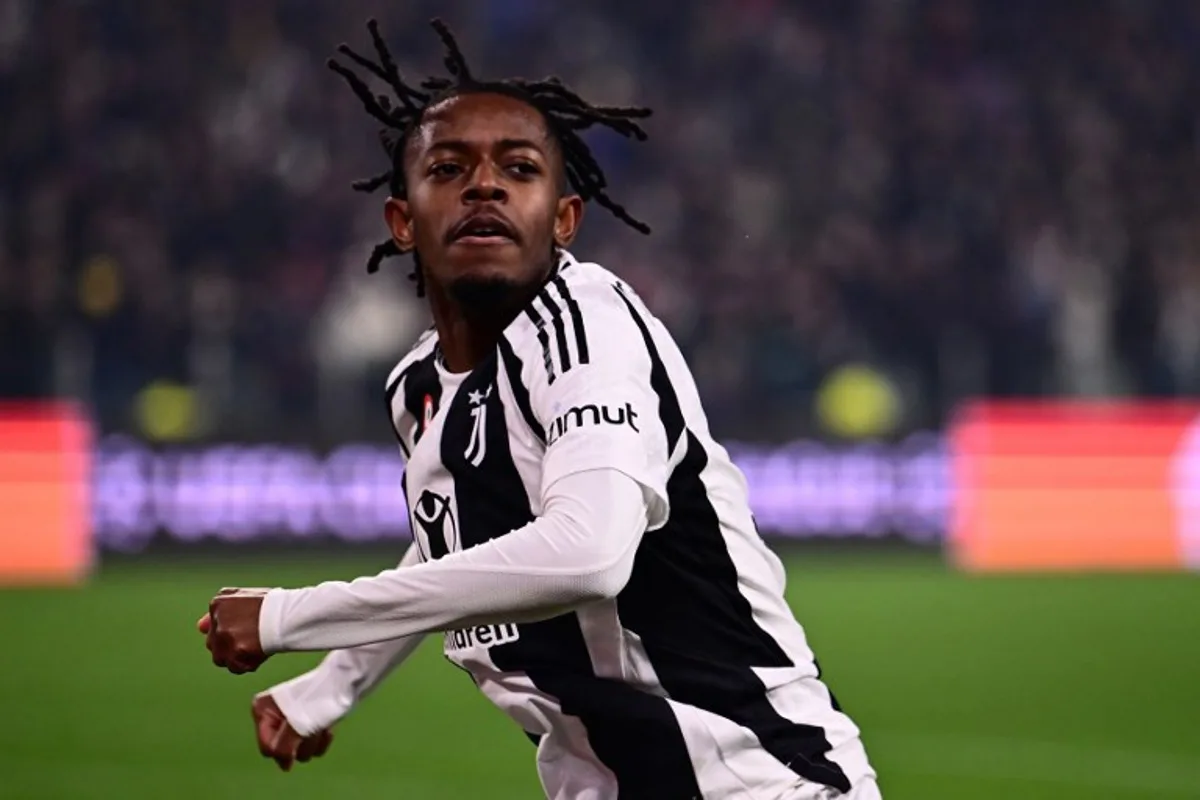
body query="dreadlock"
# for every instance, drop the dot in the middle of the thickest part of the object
(565, 112)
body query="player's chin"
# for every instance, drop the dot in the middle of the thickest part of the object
(484, 287)
(489, 272)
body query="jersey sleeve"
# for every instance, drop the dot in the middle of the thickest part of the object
(317, 699)
(591, 392)
(579, 551)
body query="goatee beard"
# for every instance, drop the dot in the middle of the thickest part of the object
(486, 295)
(496, 294)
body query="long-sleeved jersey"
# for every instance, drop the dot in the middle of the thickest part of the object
(588, 552)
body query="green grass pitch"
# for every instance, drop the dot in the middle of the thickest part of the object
(987, 688)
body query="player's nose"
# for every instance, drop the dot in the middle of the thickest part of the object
(484, 186)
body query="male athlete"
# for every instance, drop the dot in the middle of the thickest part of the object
(583, 544)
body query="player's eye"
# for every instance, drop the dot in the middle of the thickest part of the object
(524, 168)
(444, 169)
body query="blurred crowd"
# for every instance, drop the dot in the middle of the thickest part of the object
(951, 198)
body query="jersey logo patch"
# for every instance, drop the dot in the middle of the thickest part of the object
(477, 444)
(433, 515)
(485, 636)
(591, 414)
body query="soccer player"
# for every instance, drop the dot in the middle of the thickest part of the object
(584, 545)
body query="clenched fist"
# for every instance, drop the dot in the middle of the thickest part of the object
(231, 629)
(277, 739)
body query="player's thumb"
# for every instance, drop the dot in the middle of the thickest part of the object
(204, 624)
(284, 746)
(267, 727)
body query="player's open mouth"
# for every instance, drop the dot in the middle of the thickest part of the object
(483, 230)
(483, 240)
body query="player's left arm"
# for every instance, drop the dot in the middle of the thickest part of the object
(604, 485)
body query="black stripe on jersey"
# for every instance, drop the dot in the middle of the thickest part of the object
(388, 397)
(581, 345)
(660, 382)
(422, 381)
(544, 338)
(560, 329)
(491, 496)
(633, 733)
(512, 368)
(703, 655)
(697, 628)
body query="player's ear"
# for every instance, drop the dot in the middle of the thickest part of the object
(399, 221)
(566, 221)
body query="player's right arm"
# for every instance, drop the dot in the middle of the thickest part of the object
(603, 488)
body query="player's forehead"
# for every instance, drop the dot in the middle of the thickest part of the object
(481, 120)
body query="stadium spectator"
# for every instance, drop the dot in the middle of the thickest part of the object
(965, 196)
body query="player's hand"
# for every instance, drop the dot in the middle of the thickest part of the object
(277, 739)
(231, 629)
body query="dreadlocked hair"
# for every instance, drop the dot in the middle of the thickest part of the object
(565, 112)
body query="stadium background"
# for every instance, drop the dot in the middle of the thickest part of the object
(934, 263)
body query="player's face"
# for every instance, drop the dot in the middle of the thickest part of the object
(483, 209)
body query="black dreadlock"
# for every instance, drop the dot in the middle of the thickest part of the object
(565, 112)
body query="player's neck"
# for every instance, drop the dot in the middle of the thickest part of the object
(468, 335)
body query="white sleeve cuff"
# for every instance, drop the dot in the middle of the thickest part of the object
(270, 621)
(311, 702)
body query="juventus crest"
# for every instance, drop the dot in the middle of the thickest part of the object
(477, 444)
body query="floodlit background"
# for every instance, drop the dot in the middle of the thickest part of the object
(935, 263)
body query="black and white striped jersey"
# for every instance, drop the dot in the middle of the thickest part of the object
(696, 680)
